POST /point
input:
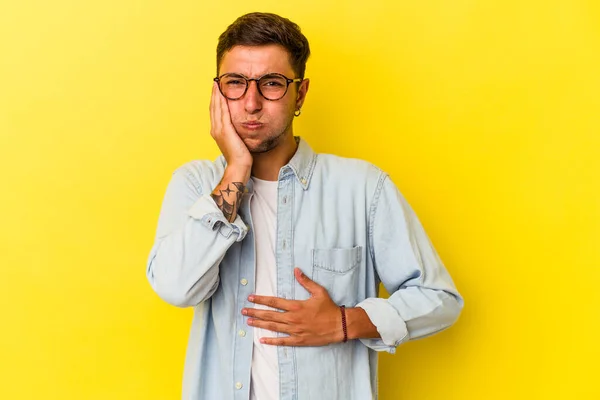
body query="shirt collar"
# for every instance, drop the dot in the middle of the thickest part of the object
(302, 163)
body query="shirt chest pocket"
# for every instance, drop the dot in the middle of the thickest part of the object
(337, 270)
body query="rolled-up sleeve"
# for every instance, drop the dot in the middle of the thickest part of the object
(206, 210)
(192, 239)
(423, 298)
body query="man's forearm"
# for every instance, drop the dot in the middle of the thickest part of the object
(359, 324)
(228, 193)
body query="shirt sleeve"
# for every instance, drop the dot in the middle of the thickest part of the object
(191, 240)
(206, 210)
(423, 298)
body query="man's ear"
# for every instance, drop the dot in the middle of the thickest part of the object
(302, 90)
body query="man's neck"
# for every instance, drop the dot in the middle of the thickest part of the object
(266, 166)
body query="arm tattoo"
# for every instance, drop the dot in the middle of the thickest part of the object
(228, 200)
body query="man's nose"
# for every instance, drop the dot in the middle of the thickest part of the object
(252, 99)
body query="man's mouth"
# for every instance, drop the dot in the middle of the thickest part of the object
(252, 125)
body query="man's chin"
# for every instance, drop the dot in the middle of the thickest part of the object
(258, 146)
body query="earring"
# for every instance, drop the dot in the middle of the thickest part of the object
(297, 112)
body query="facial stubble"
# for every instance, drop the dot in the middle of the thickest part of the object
(272, 141)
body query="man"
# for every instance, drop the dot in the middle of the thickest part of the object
(281, 250)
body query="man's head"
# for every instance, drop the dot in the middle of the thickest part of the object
(254, 45)
(263, 29)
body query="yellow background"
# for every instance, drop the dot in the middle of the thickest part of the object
(485, 113)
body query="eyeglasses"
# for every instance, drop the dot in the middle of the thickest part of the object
(271, 86)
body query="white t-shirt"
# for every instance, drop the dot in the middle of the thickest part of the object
(264, 382)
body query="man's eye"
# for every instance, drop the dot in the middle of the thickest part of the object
(273, 83)
(234, 82)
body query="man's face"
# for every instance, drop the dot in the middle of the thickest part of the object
(262, 124)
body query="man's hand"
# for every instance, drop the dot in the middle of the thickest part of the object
(228, 193)
(223, 132)
(313, 322)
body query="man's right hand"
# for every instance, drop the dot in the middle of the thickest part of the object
(239, 160)
(228, 193)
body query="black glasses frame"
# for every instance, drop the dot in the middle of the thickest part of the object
(248, 80)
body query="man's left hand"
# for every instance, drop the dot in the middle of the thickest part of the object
(313, 322)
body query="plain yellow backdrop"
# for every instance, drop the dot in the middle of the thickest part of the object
(485, 113)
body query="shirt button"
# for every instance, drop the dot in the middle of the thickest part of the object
(242, 333)
(303, 180)
(238, 385)
(244, 281)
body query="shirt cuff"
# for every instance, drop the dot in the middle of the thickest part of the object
(208, 213)
(389, 324)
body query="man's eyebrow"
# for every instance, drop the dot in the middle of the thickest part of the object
(234, 74)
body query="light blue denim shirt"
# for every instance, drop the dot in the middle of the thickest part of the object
(346, 225)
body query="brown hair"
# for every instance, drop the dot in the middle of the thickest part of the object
(260, 29)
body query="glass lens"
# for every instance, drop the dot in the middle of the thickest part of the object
(233, 86)
(273, 86)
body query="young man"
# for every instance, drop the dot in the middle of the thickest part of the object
(281, 250)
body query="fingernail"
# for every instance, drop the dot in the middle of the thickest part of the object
(245, 312)
(250, 320)
(251, 298)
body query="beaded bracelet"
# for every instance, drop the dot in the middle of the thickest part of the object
(343, 310)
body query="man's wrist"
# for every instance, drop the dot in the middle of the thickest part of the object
(234, 173)
(359, 325)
